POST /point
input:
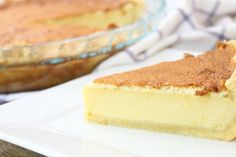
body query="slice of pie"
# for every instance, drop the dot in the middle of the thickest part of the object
(192, 96)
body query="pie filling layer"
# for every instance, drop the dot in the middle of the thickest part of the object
(167, 109)
(101, 19)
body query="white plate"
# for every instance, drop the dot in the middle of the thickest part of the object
(52, 123)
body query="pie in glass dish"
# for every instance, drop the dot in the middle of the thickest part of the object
(46, 42)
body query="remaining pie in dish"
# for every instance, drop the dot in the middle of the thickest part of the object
(28, 26)
(36, 21)
(192, 96)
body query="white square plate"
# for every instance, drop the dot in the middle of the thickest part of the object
(52, 123)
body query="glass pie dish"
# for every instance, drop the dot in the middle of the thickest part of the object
(39, 66)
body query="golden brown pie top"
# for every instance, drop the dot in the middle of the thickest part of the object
(19, 19)
(209, 70)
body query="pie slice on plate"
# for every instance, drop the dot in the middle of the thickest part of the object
(191, 96)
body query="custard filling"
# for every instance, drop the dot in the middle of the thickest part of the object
(103, 19)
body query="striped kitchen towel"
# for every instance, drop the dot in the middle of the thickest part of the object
(195, 25)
